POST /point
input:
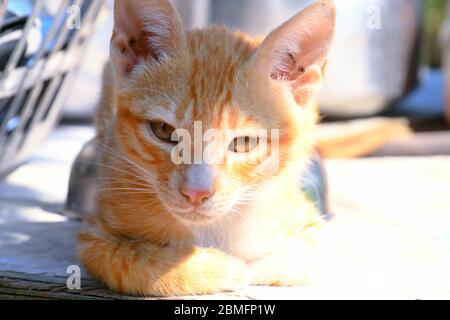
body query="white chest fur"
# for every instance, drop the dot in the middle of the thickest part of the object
(239, 237)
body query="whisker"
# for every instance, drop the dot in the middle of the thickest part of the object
(123, 189)
(121, 157)
(118, 181)
(103, 196)
(112, 168)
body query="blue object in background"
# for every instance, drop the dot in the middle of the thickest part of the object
(21, 8)
(314, 184)
(427, 101)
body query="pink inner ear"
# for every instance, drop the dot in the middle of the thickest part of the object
(306, 86)
(130, 40)
(303, 72)
(297, 51)
(133, 49)
(289, 68)
(294, 62)
(143, 29)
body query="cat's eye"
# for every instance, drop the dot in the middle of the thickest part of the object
(244, 144)
(162, 131)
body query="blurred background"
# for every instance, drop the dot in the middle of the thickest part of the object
(385, 110)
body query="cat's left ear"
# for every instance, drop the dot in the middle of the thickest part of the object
(144, 30)
(297, 51)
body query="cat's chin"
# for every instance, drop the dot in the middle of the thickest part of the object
(194, 215)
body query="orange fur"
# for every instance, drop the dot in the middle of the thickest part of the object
(136, 242)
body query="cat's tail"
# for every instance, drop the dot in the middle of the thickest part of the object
(359, 138)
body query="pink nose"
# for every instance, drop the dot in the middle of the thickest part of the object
(196, 196)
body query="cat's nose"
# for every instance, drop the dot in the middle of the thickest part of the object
(197, 196)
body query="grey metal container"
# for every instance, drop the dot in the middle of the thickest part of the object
(38, 69)
(375, 58)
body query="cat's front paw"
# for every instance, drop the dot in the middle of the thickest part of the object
(270, 272)
(237, 277)
(294, 265)
(230, 274)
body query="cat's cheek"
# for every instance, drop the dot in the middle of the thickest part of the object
(254, 169)
(269, 167)
(174, 182)
(241, 171)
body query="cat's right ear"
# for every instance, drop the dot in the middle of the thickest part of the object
(296, 53)
(144, 30)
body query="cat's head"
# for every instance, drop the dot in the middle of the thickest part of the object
(242, 108)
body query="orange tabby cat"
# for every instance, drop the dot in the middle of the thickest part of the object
(164, 229)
